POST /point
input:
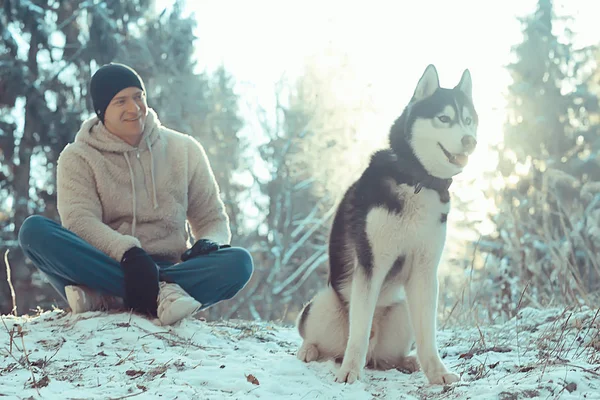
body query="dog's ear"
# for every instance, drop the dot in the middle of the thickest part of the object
(466, 85)
(428, 84)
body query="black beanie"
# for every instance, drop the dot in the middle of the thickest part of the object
(109, 80)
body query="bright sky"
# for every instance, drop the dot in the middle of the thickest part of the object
(388, 44)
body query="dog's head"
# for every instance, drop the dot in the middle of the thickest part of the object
(439, 124)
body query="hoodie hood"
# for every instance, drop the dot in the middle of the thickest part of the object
(94, 133)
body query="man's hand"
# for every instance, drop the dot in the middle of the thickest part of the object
(141, 281)
(202, 247)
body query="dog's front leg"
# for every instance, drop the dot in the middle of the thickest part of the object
(365, 292)
(422, 295)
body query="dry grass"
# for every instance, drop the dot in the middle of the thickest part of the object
(546, 254)
(564, 339)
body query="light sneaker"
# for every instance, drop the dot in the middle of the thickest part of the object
(83, 299)
(175, 304)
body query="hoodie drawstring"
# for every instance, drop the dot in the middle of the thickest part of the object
(133, 197)
(152, 173)
(133, 194)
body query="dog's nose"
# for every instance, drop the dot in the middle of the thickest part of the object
(469, 143)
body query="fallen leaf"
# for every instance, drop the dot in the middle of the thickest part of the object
(157, 371)
(526, 369)
(41, 383)
(499, 349)
(134, 373)
(252, 379)
(39, 363)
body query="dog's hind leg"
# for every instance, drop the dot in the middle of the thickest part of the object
(394, 338)
(323, 324)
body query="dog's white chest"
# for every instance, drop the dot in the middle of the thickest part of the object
(419, 226)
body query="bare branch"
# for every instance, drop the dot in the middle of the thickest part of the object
(307, 274)
(8, 278)
(308, 234)
(297, 272)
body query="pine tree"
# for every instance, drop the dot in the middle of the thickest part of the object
(547, 100)
(552, 127)
(220, 133)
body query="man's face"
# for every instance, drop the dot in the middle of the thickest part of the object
(126, 114)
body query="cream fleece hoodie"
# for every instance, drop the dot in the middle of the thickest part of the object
(116, 196)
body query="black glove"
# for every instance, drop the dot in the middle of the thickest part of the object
(141, 281)
(202, 247)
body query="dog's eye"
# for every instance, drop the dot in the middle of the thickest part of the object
(468, 121)
(444, 118)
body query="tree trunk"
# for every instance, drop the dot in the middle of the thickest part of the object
(22, 174)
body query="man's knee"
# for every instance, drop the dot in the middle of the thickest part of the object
(33, 231)
(242, 266)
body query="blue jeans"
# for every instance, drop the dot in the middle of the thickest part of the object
(66, 259)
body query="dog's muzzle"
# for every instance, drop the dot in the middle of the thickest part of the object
(469, 143)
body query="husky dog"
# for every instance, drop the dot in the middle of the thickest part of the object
(387, 239)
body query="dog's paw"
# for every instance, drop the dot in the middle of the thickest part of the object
(408, 364)
(348, 374)
(308, 353)
(437, 373)
(442, 378)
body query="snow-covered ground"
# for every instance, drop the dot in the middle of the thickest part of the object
(542, 354)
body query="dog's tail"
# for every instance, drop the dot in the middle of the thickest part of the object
(302, 317)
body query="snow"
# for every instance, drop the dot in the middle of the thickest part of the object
(541, 354)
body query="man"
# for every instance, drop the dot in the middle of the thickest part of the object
(125, 188)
